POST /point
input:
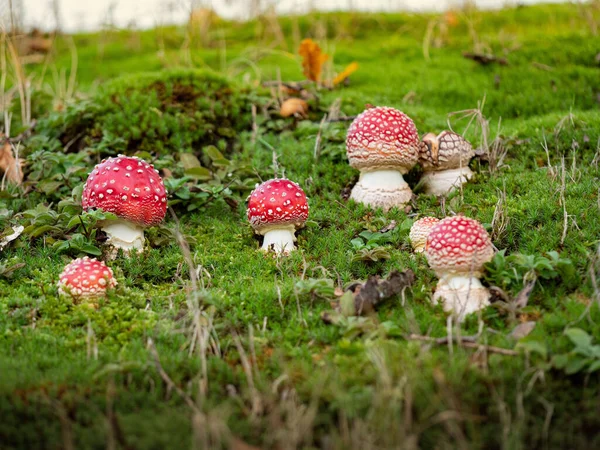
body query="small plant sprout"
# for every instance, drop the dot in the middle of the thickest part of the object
(419, 232)
(276, 209)
(445, 161)
(457, 248)
(86, 279)
(131, 189)
(383, 144)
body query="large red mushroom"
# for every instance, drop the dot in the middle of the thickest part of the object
(276, 209)
(383, 144)
(457, 248)
(131, 189)
(86, 279)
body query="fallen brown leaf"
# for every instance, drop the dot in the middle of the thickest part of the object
(294, 107)
(9, 165)
(522, 330)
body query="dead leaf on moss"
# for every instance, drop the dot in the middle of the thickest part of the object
(362, 299)
(10, 165)
(294, 107)
(312, 59)
(522, 330)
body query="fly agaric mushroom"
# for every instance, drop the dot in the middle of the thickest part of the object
(86, 278)
(457, 248)
(276, 208)
(445, 160)
(131, 189)
(419, 232)
(383, 144)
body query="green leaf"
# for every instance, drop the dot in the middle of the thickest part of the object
(594, 366)
(189, 161)
(534, 347)
(579, 337)
(575, 365)
(560, 361)
(347, 304)
(200, 173)
(214, 154)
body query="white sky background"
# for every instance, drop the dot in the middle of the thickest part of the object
(79, 15)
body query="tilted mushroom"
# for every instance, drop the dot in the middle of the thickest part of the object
(383, 144)
(457, 248)
(131, 189)
(419, 232)
(445, 160)
(276, 209)
(86, 279)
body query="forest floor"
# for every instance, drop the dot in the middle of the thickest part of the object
(207, 342)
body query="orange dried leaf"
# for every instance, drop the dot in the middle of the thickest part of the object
(294, 107)
(349, 70)
(10, 165)
(312, 59)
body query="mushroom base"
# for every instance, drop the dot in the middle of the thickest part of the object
(461, 295)
(124, 235)
(279, 239)
(381, 188)
(442, 182)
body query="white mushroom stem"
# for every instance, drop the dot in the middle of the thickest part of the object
(441, 182)
(461, 294)
(124, 235)
(279, 239)
(381, 188)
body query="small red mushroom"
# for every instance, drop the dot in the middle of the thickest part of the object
(276, 208)
(419, 232)
(383, 144)
(86, 278)
(457, 248)
(131, 189)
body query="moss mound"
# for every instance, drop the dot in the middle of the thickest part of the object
(160, 113)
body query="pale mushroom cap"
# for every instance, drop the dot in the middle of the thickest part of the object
(128, 187)
(419, 232)
(447, 150)
(382, 138)
(86, 278)
(277, 202)
(458, 245)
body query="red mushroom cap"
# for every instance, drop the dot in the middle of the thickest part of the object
(277, 202)
(383, 137)
(127, 187)
(458, 244)
(86, 278)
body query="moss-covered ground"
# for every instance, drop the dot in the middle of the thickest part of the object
(225, 347)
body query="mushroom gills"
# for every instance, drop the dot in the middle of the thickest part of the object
(280, 239)
(461, 295)
(381, 188)
(441, 182)
(124, 235)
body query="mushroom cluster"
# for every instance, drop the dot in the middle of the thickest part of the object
(382, 142)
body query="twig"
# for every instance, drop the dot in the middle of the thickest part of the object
(167, 379)
(463, 341)
(485, 59)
